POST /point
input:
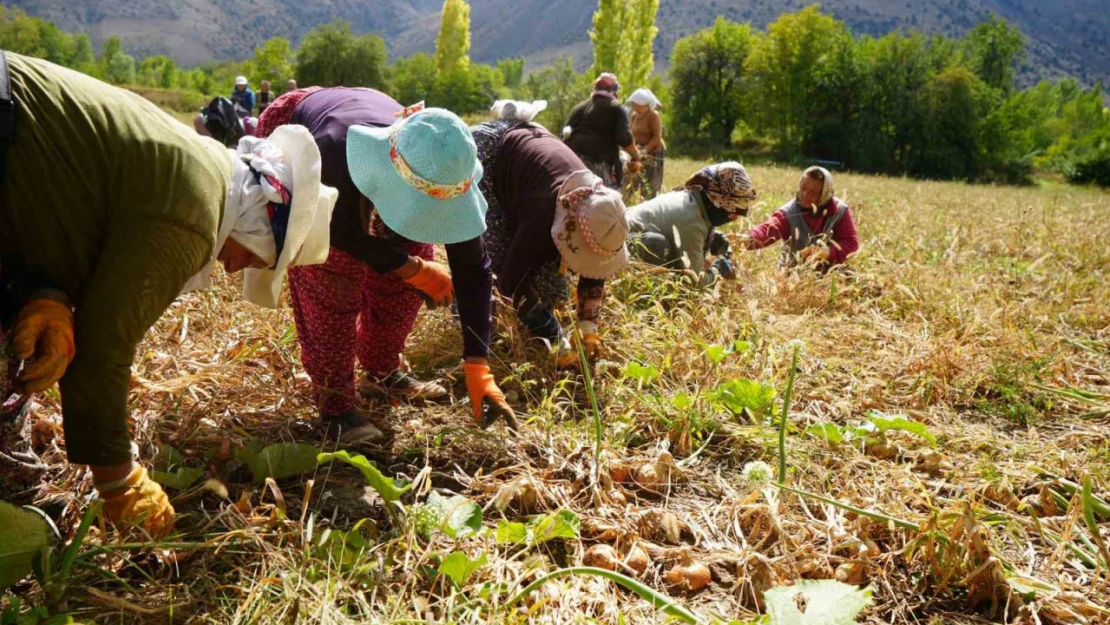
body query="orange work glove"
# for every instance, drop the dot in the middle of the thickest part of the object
(433, 280)
(43, 334)
(482, 388)
(591, 344)
(139, 501)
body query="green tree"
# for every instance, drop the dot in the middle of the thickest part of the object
(897, 67)
(953, 103)
(57, 44)
(637, 60)
(413, 78)
(82, 51)
(453, 42)
(273, 61)
(561, 86)
(993, 49)
(786, 65)
(116, 66)
(121, 69)
(512, 72)
(111, 47)
(158, 71)
(20, 33)
(331, 55)
(708, 82)
(606, 34)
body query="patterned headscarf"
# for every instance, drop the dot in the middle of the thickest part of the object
(727, 185)
(819, 173)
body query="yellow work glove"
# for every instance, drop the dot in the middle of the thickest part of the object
(138, 501)
(43, 335)
(483, 389)
(432, 280)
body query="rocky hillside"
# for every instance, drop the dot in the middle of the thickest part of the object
(1065, 36)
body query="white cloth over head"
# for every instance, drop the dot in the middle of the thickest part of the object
(290, 154)
(518, 110)
(645, 97)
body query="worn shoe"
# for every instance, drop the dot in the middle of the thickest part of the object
(352, 427)
(401, 384)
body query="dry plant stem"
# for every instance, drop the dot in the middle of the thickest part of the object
(658, 600)
(785, 414)
(599, 429)
(878, 516)
(1092, 524)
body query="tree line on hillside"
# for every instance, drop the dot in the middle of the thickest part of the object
(803, 89)
(903, 104)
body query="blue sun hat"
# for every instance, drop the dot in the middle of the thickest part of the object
(422, 175)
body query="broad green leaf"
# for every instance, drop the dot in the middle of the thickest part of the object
(736, 395)
(540, 529)
(886, 423)
(459, 516)
(459, 567)
(23, 535)
(637, 371)
(682, 401)
(717, 353)
(512, 533)
(741, 347)
(182, 478)
(827, 602)
(831, 432)
(390, 489)
(167, 458)
(344, 550)
(561, 524)
(278, 461)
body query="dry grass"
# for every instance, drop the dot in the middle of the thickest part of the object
(970, 309)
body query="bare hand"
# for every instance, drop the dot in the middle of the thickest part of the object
(815, 253)
(635, 167)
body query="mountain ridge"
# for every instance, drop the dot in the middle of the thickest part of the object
(1068, 37)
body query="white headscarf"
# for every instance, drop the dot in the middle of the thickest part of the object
(515, 109)
(827, 190)
(290, 155)
(644, 97)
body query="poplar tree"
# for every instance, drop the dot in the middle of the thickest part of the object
(637, 61)
(453, 42)
(609, 23)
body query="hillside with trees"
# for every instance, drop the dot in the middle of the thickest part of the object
(806, 88)
(1065, 38)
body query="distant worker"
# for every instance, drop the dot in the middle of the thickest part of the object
(647, 131)
(291, 85)
(242, 97)
(599, 130)
(817, 227)
(265, 96)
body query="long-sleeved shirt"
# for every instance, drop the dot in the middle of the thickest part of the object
(328, 114)
(599, 128)
(680, 217)
(116, 204)
(844, 240)
(264, 99)
(244, 99)
(532, 165)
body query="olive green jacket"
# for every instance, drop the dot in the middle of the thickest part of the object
(116, 203)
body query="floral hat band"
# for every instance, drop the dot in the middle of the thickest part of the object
(431, 188)
(575, 204)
